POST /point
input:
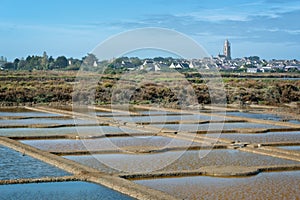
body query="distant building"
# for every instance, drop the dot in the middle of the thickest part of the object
(252, 70)
(191, 65)
(292, 68)
(180, 65)
(227, 50)
(172, 66)
(150, 65)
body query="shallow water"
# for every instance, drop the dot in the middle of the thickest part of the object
(263, 116)
(147, 113)
(276, 185)
(157, 112)
(24, 113)
(168, 118)
(214, 126)
(13, 165)
(294, 121)
(107, 143)
(44, 121)
(104, 114)
(262, 137)
(176, 160)
(62, 191)
(81, 130)
(292, 148)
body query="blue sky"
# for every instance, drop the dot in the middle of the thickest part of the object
(267, 28)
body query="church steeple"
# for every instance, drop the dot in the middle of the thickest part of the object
(227, 50)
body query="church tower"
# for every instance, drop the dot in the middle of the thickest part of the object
(227, 50)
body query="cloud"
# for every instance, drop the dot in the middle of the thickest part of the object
(280, 1)
(258, 21)
(266, 27)
(215, 16)
(244, 12)
(278, 30)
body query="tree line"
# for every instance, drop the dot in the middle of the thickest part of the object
(46, 62)
(87, 63)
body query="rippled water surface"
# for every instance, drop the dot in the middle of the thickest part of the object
(168, 118)
(263, 116)
(276, 185)
(108, 143)
(214, 126)
(157, 112)
(44, 121)
(177, 160)
(24, 113)
(13, 165)
(61, 191)
(263, 137)
(81, 130)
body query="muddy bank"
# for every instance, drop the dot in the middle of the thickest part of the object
(78, 137)
(249, 130)
(271, 152)
(214, 171)
(191, 122)
(50, 125)
(40, 180)
(34, 117)
(137, 150)
(292, 143)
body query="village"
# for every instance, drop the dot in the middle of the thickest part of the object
(251, 64)
(222, 62)
(246, 64)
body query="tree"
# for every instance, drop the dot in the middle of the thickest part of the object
(28, 59)
(9, 66)
(33, 62)
(51, 59)
(61, 62)
(159, 59)
(136, 61)
(254, 58)
(51, 63)
(74, 64)
(44, 61)
(90, 59)
(16, 63)
(21, 65)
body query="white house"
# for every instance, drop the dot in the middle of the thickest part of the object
(252, 70)
(150, 65)
(95, 64)
(157, 67)
(267, 69)
(172, 66)
(191, 65)
(289, 68)
(179, 66)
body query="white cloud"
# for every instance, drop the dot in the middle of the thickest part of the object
(244, 12)
(277, 30)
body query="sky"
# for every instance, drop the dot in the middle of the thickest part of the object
(266, 28)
